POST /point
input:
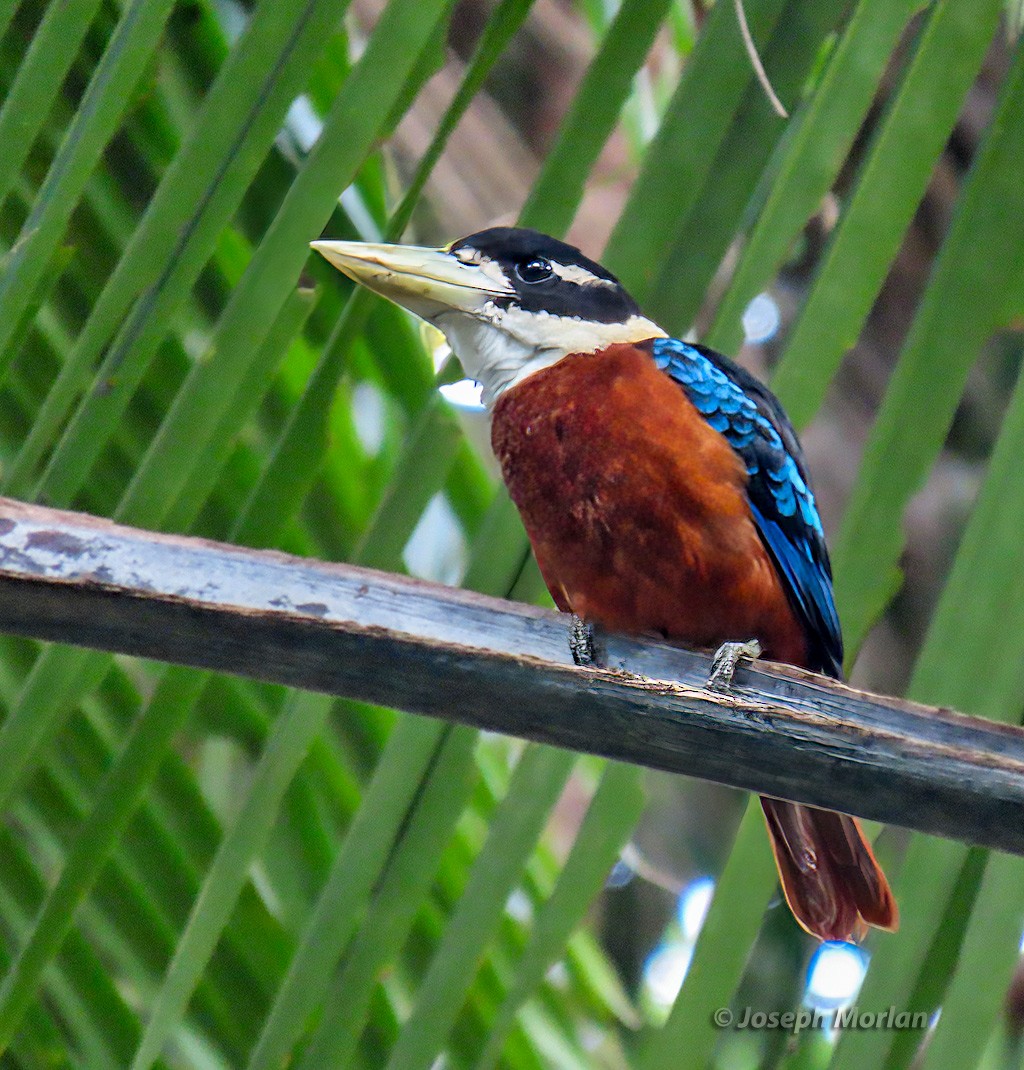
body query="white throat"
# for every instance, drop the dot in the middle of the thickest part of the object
(500, 348)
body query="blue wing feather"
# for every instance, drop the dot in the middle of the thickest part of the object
(782, 504)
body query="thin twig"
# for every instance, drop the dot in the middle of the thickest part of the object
(755, 61)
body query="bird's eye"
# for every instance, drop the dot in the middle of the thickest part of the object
(537, 269)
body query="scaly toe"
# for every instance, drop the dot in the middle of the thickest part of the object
(581, 641)
(727, 657)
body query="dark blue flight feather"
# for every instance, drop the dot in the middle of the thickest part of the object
(750, 417)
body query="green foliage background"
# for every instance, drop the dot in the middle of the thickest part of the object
(205, 872)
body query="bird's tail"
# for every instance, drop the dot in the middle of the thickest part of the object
(832, 882)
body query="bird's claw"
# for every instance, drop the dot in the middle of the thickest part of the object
(727, 657)
(581, 641)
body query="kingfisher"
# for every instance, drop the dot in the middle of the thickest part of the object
(662, 487)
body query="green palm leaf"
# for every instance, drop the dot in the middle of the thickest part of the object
(210, 872)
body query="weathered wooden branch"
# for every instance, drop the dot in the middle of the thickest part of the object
(503, 666)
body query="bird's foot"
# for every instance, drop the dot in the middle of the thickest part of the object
(727, 657)
(581, 641)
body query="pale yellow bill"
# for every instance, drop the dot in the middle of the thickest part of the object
(425, 281)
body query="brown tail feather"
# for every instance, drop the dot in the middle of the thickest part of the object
(832, 882)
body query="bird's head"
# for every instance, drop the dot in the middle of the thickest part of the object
(510, 301)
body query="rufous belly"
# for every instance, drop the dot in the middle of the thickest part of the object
(636, 507)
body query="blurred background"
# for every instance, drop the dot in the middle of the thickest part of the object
(199, 871)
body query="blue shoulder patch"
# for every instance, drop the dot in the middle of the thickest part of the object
(749, 416)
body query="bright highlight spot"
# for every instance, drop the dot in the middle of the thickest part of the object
(304, 123)
(437, 548)
(693, 906)
(368, 415)
(558, 975)
(465, 394)
(665, 971)
(622, 873)
(518, 906)
(666, 966)
(761, 319)
(834, 975)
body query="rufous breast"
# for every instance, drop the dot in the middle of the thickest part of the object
(636, 508)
